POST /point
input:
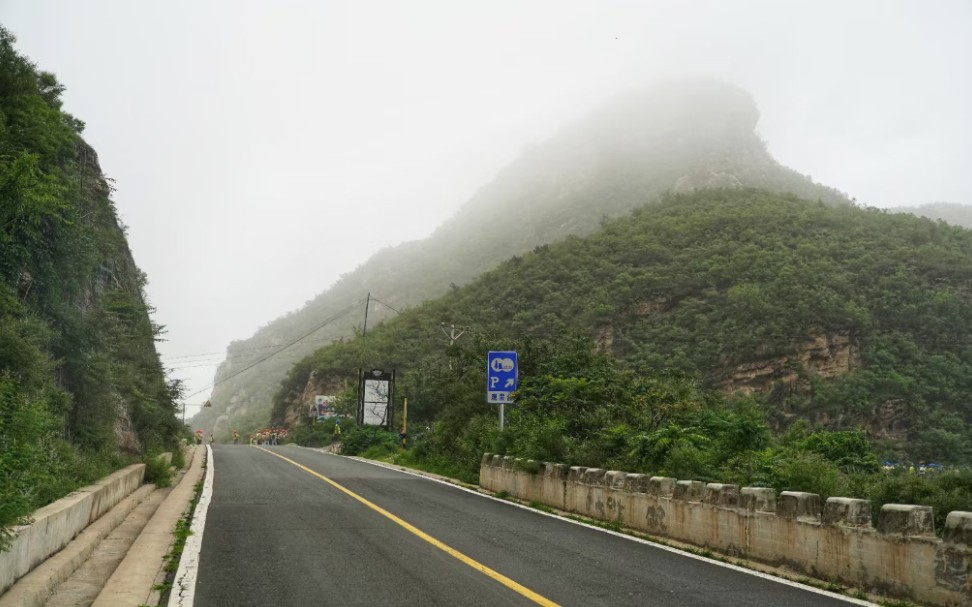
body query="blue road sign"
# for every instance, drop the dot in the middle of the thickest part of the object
(500, 377)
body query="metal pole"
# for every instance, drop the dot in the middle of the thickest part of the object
(364, 331)
(501, 417)
(405, 424)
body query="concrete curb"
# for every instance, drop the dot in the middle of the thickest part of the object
(35, 588)
(132, 582)
(184, 584)
(56, 524)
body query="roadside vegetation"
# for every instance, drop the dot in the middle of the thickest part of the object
(82, 390)
(582, 408)
(631, 341)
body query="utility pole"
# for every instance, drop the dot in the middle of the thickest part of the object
(364, 331)
(405, 425)
(451, 333)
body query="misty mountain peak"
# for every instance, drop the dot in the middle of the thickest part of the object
(678, 112)
(675, 135)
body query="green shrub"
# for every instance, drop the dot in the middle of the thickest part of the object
(157, 471)
(360, 440)
(179, 458)
(810, 472)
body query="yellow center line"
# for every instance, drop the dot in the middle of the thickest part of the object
(499, 577)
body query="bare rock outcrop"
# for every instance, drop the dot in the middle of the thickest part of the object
(824, 356)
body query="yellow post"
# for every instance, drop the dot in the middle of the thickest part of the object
(405, 424)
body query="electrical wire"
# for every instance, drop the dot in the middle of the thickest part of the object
(278, 351)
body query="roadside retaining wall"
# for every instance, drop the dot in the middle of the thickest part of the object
(58, 523)
(832, 540)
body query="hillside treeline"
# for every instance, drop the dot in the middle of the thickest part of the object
(678, 135)
(632, 342)
(82, 390)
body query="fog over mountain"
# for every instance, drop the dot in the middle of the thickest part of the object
(949, 212)
(677, 135)
(261, 150)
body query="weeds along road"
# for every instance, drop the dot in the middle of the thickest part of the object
(292, 526)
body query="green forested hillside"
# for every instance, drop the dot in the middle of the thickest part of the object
(670, 136)
(836, 317)
(949, 212)
(82, 389)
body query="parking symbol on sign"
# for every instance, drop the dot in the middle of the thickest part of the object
(501, 377)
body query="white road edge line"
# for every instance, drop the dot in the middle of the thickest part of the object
(184, 586)
(690, 555)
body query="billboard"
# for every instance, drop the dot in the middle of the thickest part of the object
(376, 389)
(324, 406)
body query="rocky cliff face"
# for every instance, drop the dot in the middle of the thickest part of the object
(825, 356)
(317, 383)
(80, 378)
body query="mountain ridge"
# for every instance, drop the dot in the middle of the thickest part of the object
(841, 316)
(674, 135)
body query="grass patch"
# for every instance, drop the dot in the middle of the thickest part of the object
(435, 464)
(541, 507)
(181, 532)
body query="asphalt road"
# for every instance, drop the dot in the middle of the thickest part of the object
(276, 534)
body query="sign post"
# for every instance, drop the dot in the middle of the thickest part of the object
(501, 379)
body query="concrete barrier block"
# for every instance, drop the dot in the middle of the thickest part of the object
(509, 462)
(594, 476)
(615, 479)
(556, 471)
(114, 488)
(958, 529)
(661, 486)
(636, 483)
(530, 465)
(689, 491)
(576, 473)
(487, 460)
(57, 524)
(496, 462)
(721, 494)
(906, 520)
(13, 562)
(800, 506)
(757, 499)
(847, 512)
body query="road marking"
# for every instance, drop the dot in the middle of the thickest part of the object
(184, 588)
(753, 572)
(499, 577)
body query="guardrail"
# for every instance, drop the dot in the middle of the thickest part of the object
(833, 540)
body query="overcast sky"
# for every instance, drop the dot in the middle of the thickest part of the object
(262, 149)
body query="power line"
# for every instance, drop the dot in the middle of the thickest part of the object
(281, 349)
(230, 355)
(237, 357)
(386, 305)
